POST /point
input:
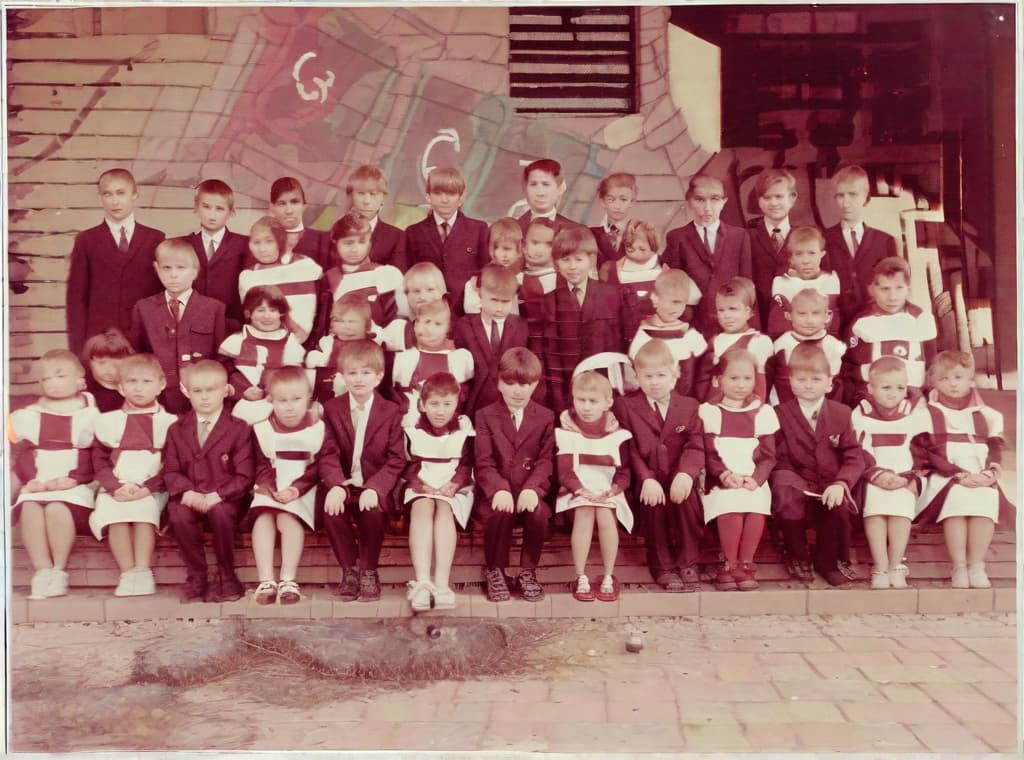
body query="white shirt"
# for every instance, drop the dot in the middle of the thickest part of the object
(373, 222)
(858, 228)
(487, 326)
(552, 214)
(620, 226)
(582, 286)
(212, 419)
(215, 239)
(659, 407)
(783, 227)
(183, 299)
(811, 411)
(115, 227)
(517, 418)
(438, 220)
(300, 229)
(712, 233)
(357, 445)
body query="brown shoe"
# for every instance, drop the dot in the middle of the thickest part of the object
(691, 579)
(670, 581)
(745, 580)
(725, 581)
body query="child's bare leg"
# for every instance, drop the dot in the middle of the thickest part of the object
(979, 536)
(445, 539)
(145, 542)
(608, 537)
(875, 529)
(899, 536)
(750, 536)
(119, 535)
(60, 532)
(293, 539)
(955, 531)
(421, 537)
(33, 534)
(264, 534)
(582, 537)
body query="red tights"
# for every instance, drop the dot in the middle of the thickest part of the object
(740, 533)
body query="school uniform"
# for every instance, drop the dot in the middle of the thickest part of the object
(593, 461)
(536, 284)
(557, 219)
(471, 296)
(811, 457)
(219, 270)
(834, 349)
(196, 334)
(908, 335)
(107, 399)
(387, 245)
(685, 249)
(328, 381)
(575, 331)
(666, 441)
(414, 366)
(223, 464)
(129, 449)
(298, 281)
(854, 267)
(686, 344)
(371, 438)
(471, 334)
(287, 458)
(462, 254)
(514, 452)
(611, 244)
(438, 457)
(316, 245)
(382, 286)
(768, 258)
(886, 441)
(252, 354)
(635, 287)
(757, 343)
(786, 285)
(104, 283)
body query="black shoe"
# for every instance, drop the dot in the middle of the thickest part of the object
(195, 588)
(835, 578)
(529, 587)
(691, 579)
(804, 572)
(230, 588)
(369, 586)
(497, 586)
(670, 581)
(847, 570)
(348, 590)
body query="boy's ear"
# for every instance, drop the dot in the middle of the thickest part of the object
(789, 315)
(714, 381)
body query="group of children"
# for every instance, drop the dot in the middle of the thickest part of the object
(295, 380)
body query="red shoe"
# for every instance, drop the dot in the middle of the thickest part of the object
(611, 596)
(745, 580)
(726, 580)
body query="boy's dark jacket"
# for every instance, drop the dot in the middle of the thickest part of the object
(661, 450)
(815, 459)
(224, 464)
(513, 460)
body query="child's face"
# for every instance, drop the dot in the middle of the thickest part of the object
(516, 395)
(506, 253)
(494, 305)
(213, 211)
(657, 381)
(265, 318)
(777, 202)
(617, 202)
(423, 290)
(207, 391)
(60, 379)
(140, 387)
(367, 200)
(290, 401)
(538, 246)
(263, 245)
(439, 408)
(445, 203)
(348, 325)
(576, 267)
(639, 250)
(353, 249)
(543, 191)
(852, 197)
(888, 389)
(177, 272)
(890, 293)
(590, 404)
(733, 314)
(954, 382)
(737, 380)
(805, 259)
(118, 197)
(431, 331)
(809, 385)
(808, 316)
(105, 370)
(288, 209)
(668, 307)
(360, 379)
(706, 202)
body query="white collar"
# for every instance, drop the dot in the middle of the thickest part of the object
(783, 227)
(115, 227)
(552, 214)
(212, 418)
(858, 227)
(353, 404)
(711, 228)
(300, 229)
(811, 409)
(216, 238)
(438, 221)
(183, 298)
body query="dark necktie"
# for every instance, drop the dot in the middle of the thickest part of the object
(204, 431)
(613, 236)
(854, 243)
(658, 414)
(495, 338)
(444, 231)
(122, 244)
(213, 250)
(777, 239)
(175, 306)
(707, 243)
(578, 292)
(515, 421)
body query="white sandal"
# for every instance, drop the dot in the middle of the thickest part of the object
(265, 593)
(288, 592)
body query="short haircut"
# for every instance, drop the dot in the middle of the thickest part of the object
(425, 270)
(504, 230)
(216, 187)
(446, 180)
(573, 238)
(541, 221)
(618, 179)
(109, 344)
(702, 179)
(591, 381)
(283, 185)
(947, 360)
(366, 176)
(348, 225)
(284, 375)
(270, 295)
(122, 174)
(276, 229)
(142, 363)
(62, 355)
(439, 384)
(499, 280)
(852, 173)
(741, 288)
(362, 352)
(519, 366)
(435, 309)
(654, 353)
(808, 356)
(178, 246)
(806, 235)
(885, 364)
(772, 176)
(203, 367)
(351, 302)
(734, 355)
(809, 294)
(673, 282)
(639, 229)
(891, 266)
(546, 165)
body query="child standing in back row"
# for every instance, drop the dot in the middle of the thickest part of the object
(616, 193)
(366, 189)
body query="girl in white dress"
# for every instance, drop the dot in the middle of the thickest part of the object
(440, 488)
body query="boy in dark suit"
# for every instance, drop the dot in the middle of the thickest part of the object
(360, 462)
(490, 334)
(111, 264)
(287, 205)
(709, 250)
(514, 450)
(543, 185)
(179, 326)
(617, 194)
(208, 469)
(818, 463)
(852, 248)
(769, 234)
(448, 238)
(221, 252)
(666, 458)
(366, 188)
(581, 315)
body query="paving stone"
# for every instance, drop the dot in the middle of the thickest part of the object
(647, 689)
(563, 605)
(798, 711)
(571, 711)
(642, 711)
(518, 691)
(973, 713)
(769, 738)
(521, 608)
(480, 607)
(1005, 599)
(920, 674)
(950, 600)
(877, 712)
(636, 603)
(946, 693)
(827, 690)
(437, 736)
(514, 735)
(948, 737)
(715, 738)
(904, 693)
(824, 737)
(613, 737)
(1002, 737)
(401, 708)
(931, 643)
(356, 609)
(909, 657)
(689, 689)
(1003, 692)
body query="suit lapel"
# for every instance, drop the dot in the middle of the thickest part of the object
(218, 432)
(697, 244)
(507, 427)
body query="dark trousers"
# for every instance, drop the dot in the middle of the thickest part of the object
(355, 536)
(188, 525)
(831, 530)
(672, 534)
(498, 535)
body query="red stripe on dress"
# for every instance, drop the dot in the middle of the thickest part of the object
(54, 432)
(888, 439)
